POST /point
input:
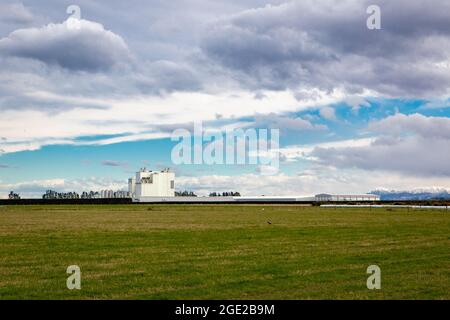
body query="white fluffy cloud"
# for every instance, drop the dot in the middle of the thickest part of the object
(285, 123)
(426, 127)
(308, 182)
(416, 145)
(327, 113)
(36, 188)
(172, 110)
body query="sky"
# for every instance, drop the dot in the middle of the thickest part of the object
(85, 101)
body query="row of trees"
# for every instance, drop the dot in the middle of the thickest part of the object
(185, 194)
(90, 195)
(225, 194)
(13, 196)
(212, 194)
(50, 194)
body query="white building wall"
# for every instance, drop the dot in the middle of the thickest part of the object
(152, 184)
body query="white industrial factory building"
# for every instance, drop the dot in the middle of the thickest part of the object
(159, 186)
(150, 184)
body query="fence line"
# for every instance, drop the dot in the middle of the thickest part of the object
(383, 206)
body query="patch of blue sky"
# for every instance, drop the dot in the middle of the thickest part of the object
(75, 161)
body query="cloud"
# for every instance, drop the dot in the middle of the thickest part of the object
(415, 145)
(316, 179)
(112, 163)
(327, 113)
(133, 118)
(436, 104)
(164, 76)
(325, 44)
(307, 182)
(267, 170)
(77, 45)
(426, 127)
(15, 13)
(274, 121)
(356, 102)
(295, 153)
(36, 188)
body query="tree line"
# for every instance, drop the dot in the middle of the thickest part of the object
(225, 194)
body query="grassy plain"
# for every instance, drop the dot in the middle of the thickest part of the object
(223, 252)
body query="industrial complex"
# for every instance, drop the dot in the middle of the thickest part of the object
(159, 186)
(148, 184)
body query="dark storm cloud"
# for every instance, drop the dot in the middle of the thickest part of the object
(136, 48)
(83, 46)
(326, 44)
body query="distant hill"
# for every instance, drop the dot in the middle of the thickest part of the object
(416, 194)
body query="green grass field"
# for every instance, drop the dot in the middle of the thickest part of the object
(222, 252)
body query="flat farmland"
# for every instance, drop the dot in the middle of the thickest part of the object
(223, 252)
